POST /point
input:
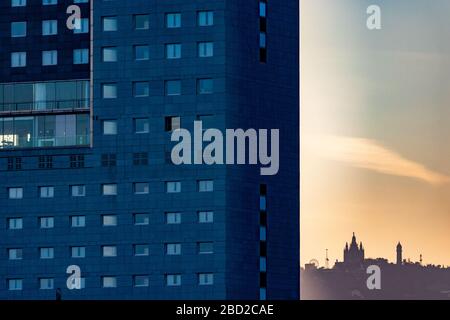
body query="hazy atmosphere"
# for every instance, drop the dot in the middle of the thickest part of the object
(375, 133)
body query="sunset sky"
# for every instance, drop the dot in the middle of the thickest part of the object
(375, 129)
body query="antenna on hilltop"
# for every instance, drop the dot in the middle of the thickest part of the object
(327, 261)
(421, 260)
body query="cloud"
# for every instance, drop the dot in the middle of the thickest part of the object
(371, 155)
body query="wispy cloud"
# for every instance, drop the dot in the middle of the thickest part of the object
(371, 155)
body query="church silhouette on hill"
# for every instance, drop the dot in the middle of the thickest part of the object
(400, 280)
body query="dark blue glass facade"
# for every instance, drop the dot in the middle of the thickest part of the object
(109, 200)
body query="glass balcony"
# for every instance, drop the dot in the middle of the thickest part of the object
(44, 96)
(44, 131)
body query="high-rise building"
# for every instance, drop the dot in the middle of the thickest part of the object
(88, 189)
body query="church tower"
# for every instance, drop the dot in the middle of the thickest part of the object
(399, 254)
(354, 254)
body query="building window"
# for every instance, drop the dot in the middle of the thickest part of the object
(141, 125)
(109, 189)
(15, 193)
(173, 218)
(50, 58)
(205, 216)
(141, 250)
(15, 254)
(205, 86)
(109, 127)
(141, 188)
(109, 251)
(173, 87)
(78, 221)
(46, 192)
(205, 49)
(205, 247)
(262, 233)
(14, 163)
(141, 21)
(205, 18)
(141, 219)
(109, 23)
(141, 281)
(205, 279)
(49, 2)
(18, 29)
(49, 27)
(109, 54)
(140, 159)
(15, 223)
(80, 56)
(78, 191)
(262, 203)
(109, 220)
(262, 40)
(173, 51)
(77, 161)
(18, 59)
(47, 222)
(173, 249)
(18, 3)
(15, 284)
(109, 160)
(141, 89)
(173, 186)
(45, 162)
(109, 90)
(78, 252)
(46, 253)
(83, 27)
(173, 20)
(262, 294)
(141, 52)
(262, 264)
(109, 282)
(206, 185)
(173, 280)
(172, 123)
(263, 8)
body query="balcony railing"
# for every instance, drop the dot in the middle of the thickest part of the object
(44, 106)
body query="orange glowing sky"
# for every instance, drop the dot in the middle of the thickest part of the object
(375, 129)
